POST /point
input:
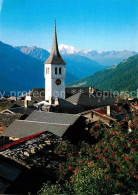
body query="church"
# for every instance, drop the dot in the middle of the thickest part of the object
(55, 73)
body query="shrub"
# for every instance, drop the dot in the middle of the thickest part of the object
(107, 167)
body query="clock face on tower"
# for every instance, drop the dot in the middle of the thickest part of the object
(58, 82)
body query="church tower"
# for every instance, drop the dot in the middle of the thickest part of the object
(54, 71)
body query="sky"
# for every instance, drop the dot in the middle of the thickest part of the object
(84, 24)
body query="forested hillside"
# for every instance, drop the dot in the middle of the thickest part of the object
(124, 76)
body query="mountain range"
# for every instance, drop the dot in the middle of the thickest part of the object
(122, 77)
(74, 63)
(107, 58)
(22, 68)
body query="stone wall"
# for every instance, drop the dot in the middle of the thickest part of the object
(7, 119)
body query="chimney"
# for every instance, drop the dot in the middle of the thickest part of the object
(56, 101)
(27, 98)
(92, 90)
(50, 100)
(89, 90)
(108, 110)
(40, 107)
(25, 103)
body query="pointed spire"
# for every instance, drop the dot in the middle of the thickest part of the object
(55, 57)
(55, 50)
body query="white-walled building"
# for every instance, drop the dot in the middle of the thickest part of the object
(54, 72)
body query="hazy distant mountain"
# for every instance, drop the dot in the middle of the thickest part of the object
(38, 53)
(81, 66)
(75, 63)
(19, 71)
(122, 77)
(107, 58)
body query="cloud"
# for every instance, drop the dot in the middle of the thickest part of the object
(1, 1)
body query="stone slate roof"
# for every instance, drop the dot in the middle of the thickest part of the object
(52, 117)
(55, 57)
(24, 128)
(35, 152)
(36, 160)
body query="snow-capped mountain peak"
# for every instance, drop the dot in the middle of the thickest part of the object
(67, 49)
(104, 57)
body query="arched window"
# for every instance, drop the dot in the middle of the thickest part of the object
(48, 71)
(60, 71)
(55, 70)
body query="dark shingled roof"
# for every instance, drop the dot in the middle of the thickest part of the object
(74, 98)
(51, 117)
(23, 110)
(77, 89)
(21, 129)
(67, 107)
(74, 90)
(55, 57)
(65, 103)
(92, 101)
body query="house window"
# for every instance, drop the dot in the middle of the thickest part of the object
(55, 70)
(60, 71)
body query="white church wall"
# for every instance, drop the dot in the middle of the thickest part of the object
(58, 90)
(51, 88)
(48, 84)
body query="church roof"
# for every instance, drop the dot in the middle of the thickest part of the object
(55, 57)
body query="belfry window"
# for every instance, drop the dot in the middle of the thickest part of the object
(47, 70)
(60, 71)
(55, 70)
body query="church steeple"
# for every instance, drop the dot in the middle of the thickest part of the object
(55, 73)
(55, 57)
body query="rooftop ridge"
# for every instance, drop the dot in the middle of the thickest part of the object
(57, 113)
(43, 122)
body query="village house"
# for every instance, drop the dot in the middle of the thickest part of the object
(8, 116)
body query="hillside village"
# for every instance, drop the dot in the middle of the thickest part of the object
(33, 125)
